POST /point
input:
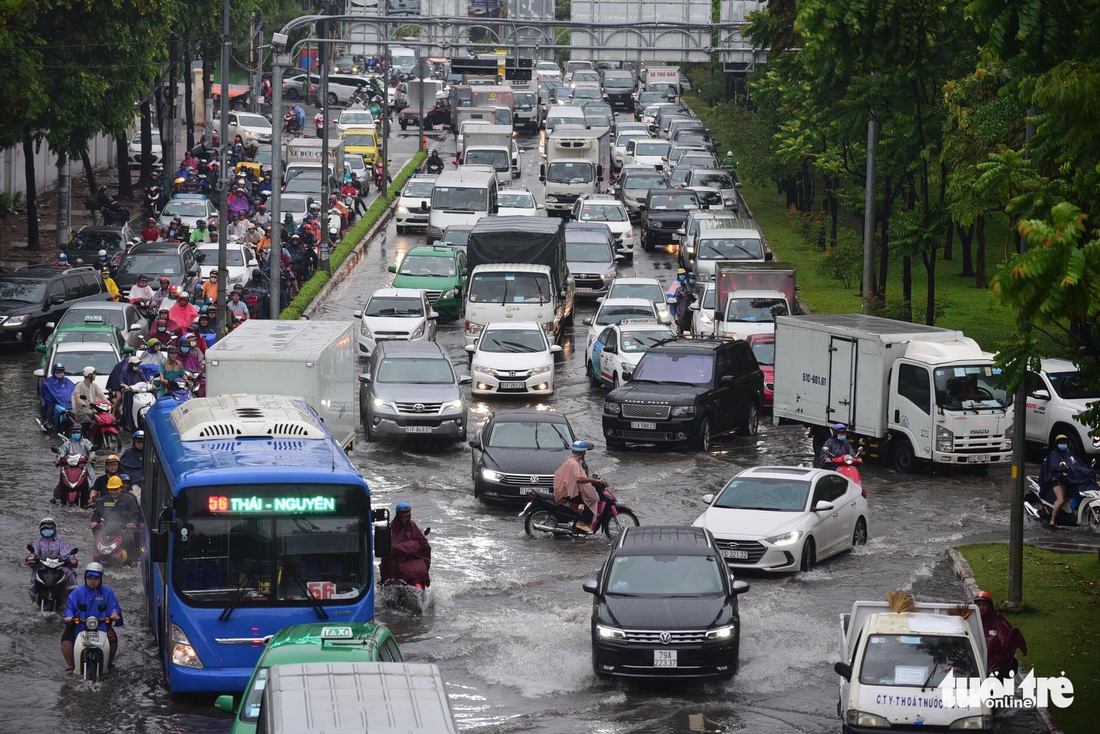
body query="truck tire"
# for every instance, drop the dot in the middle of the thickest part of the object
(818, 437)
(902, 458)
(1071, 434)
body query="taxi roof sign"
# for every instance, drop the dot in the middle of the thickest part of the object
(337, 633)
(199, 197)
(93, 318)
(632, 322)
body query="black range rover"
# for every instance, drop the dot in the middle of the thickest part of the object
(687, 391)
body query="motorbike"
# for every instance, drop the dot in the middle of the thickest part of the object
(64, 422)
(544, 516)
(73, 482)
(104, 429)
(50, 590)
(846, 466)
(1083, 512)
(145, 394)
(435, 168)
(92, 649)
(400, 594)
(115, 214)
(114, 545)
(153, 200)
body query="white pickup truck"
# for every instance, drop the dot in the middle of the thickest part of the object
(1055, 394)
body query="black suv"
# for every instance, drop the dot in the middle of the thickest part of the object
(665, 606)
(87, 243)
(664, 212)
(687, 391)
(156, 259)
(34, 296)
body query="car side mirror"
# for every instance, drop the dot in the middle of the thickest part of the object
(423, 206)
(591, 585)
(681, 232)
(51, 324)
(587, 322)
(769, 256)
(642, 207)
(475, 443)
(740, 587)
(40, 348)
(465, 379)
(135, 327)
(611, 349)
(225, 703)
(158, 545)
(364, 377)
(58, 299)
(823, 506)
(433, 314)
(41, 372)
(725, 380)
(357, 314)
(555, 348)
(708, 498)
(391, 269)
(843, 670)
(620, 258)
(1041, 394)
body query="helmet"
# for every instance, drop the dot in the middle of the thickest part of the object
(174, 291)
(150, 220)
(152, 342)
(579, 447)
(691, 275)
(89, 370)
(165, 279)
(93, 569)
(983, 596)
(1061, 437)
(729, 153)
(681, 271)
(332, 197)
(46, 521)
(112, 457)
(142, 279)
(403, 507)
(58, 367)
(114, 483)
(76, 429)
(840, 427)
(105, 273)
(63, 256)
(102, 253)
(200, 223)
(139, 435)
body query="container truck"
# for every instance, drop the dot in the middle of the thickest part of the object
(894, 667)
(517, 271)
(313, 360)
(307, 151)
(489, 145)
(914, 393)
(659, 77)
(578, 162)
(750, 295)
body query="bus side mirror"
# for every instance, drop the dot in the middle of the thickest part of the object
(383, 537)
(158, 546)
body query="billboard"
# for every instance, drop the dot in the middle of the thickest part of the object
(737, 53)
(629, 30)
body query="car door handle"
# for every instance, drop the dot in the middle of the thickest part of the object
(836, 514)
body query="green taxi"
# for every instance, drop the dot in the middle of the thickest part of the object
(317, 642)
(437, 269)
(92, 330)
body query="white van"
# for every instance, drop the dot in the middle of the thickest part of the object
(462, 197)
(402, 59)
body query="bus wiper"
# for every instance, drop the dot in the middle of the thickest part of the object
(237, 595)
(504, 298)
(313, 601)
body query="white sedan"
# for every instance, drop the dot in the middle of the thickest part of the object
(782, 519)
(354, 118)
(414, 204)
(513, 358)
(399, 314)
(239, 261)
(255, 130)
(648, 288)
(618, 349)
(518, 202)
(614, 310)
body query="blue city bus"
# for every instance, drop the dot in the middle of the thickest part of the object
(255, 519)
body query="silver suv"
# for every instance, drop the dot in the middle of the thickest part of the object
(411, 389)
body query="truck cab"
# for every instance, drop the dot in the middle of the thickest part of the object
(893, 664)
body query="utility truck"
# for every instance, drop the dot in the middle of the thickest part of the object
(489, 145)
(915, 393)
(306, 153)
(578, 162)
(751, 295)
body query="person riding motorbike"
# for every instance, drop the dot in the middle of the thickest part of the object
(48, 545)
(86, 393)
(170, 371)
(434, 163)
(132, 462)
(140, 291)
(80, 446)
(117, 509)
(410, 555)
(111, 469)
(183, 314)
(687, 292)
(56, 392)
(1062, 476)
(161, 293)
(1001, 638)
(570, 487)
(835, 447)
(110, 285)
(150, 233)
(90, 596)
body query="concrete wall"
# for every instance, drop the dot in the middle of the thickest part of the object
(13, 167)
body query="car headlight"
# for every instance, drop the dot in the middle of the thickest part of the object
(607, 276)
(855, 717)
(630, 234)
(542, 370)
(380, 403)
(449, 294)
(402, 210)
(612, 408)
(419, 332)
(609, 633)
(945, 439)
(364, 329)
(682, 411)
(721, 633)
(785, 538)
(452, 404)
(16, 320)
(492, 475)
(482, 369)
(979, 723)
(183, 654)
(706, 317)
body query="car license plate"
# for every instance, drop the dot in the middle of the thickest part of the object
(643, 425)
(524, 490)
(512, 385)
(418, 429)
(736, 555)
(664, 658)
(978, 459)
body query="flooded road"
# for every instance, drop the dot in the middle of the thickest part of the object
(508, 622)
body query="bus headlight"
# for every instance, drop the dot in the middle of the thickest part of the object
(183, 654)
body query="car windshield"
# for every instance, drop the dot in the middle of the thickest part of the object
(587, 252)
(530, 435)
(96, 336)
(764, 351)
(516, 201)
(415, 371)
(109, 241)
(498, 159)
(709, 197)
(428, 265)
(76, 360)
(569, 172)
(609, 315)
(915, 660)
(247, 120)
(672, 202)
(648, 291)
(614, 82)
(389, 306)
(303, 185)
(1071, 386)
(419, 189)
(764, 493)
(356, 118)
(497, 287)
(234, 258)
(512, 341)
(525, 99)
(22, 291)
(597, 119)
(657, 148)
(362, 140)
(729, 249)
(665, 575)
(691, 369)
(553, 121)
(643, 181)
(755, 309)
(455, 237)
(151, 264)
(185, 209)
(92, 315)
(708, 298)
(627, 136)
(970, 387)
(639, 341)
(295, 204)
(602, 213)
(452, 198)
(155, 138)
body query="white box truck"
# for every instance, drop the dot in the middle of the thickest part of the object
(489, 145)
(915, 393)
(313, 360)
(751, 295)
(578, 162)
(303, 698)
(894, 667)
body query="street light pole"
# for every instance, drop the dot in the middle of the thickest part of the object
(226, 174)
(869, 212)
(274, 264)
(385, 116)
(323, 53)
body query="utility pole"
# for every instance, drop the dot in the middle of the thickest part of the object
(869, 211)
(64, 200)
(421, 66)
(255, 65)
(385, 116)
(279, 60)
(323, 55)
(225, 175)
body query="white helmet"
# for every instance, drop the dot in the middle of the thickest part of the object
(93, 569)
(102, 253)
(89, 370)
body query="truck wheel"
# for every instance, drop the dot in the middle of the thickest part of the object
(1074, 441)
(902, 458)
